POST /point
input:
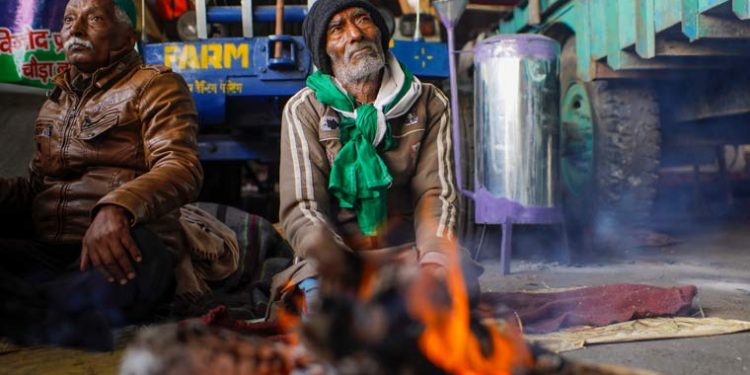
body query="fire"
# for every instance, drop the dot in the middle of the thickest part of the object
(289, 321)
(438, 305)
(447, 340)
(366, 287)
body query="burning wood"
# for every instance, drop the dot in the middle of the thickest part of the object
(193, 348)
(398, 320)
(412, 324)
(347, 336)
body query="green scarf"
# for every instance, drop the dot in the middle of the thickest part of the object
(359, 178)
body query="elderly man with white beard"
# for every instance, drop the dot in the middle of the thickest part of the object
(366, 162)
(116, 156)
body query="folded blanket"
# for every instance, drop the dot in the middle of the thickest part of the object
(213, 252)
(595, 306)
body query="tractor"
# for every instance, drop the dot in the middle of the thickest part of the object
(652, 94)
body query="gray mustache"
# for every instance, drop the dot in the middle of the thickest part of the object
(75, 40)
(351, 48)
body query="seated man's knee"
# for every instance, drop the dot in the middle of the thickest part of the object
(155, 271)
(151, 247)
(152, 286)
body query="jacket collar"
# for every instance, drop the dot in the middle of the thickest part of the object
(101, 76)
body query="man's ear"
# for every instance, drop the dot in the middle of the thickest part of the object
(132, 39)
(127, 43)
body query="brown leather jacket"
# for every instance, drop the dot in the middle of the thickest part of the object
(128, 139)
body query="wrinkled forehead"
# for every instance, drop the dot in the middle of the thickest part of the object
(90, 5)
(347, 13)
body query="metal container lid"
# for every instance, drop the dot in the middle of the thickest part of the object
(517, 45)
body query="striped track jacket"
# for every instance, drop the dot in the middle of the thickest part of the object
(422, 201)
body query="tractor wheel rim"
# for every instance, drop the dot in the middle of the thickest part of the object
(577, 141)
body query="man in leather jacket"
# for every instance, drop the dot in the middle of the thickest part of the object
(116, 156)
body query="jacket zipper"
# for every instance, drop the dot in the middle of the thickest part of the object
(68, 126)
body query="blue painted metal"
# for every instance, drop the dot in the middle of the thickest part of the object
(233, 14)
(221, 69)
(704, 5)
(613, 34)
(422, 58)
(667, 13)
(690, 19)
(217, 68)
(609, 30)
(645, 43)
(289, 60)
(741, 8)
(578, 16)
(598, 40)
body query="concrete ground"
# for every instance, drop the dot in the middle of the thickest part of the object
(714, 257)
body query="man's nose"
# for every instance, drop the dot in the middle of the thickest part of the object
(78, 28)
(354, 32)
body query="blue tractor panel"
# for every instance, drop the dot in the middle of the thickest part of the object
(221, 69)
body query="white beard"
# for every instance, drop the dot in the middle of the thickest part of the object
(363, 69)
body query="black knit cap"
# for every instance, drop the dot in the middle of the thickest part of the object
(315, 27)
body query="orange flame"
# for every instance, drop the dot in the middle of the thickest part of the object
(366, 287)
(289, 321)
(448, 341)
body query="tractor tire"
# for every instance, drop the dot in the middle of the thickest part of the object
(628, 151)
(611, 149)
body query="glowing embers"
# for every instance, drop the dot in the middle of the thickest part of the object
(194, 348)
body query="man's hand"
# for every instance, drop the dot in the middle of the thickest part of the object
(434, 270)
(108, 245)
(340, 271)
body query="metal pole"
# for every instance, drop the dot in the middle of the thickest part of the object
(506, 246)
(455, 115)
(200, 19)
(247, 18)
(278, 46)
(143, 22)
(418, 30)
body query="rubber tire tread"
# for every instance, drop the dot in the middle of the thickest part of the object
(627, 150)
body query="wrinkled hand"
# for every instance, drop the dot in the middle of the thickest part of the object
(108, 245)
(435, 270)
(432, 287)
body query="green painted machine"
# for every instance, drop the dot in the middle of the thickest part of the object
(645, 84)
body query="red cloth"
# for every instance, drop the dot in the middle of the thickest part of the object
(219, 317)
(169, 10)
(596, 306)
